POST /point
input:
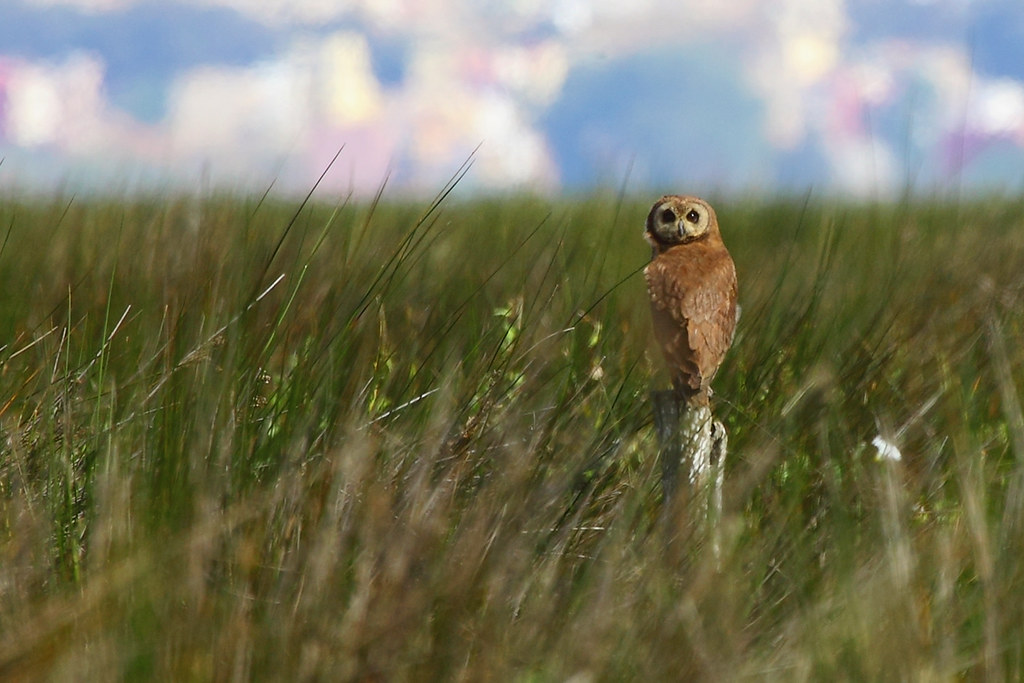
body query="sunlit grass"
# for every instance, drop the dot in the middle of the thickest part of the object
(413, 441)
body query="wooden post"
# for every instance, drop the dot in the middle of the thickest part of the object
(689, 438)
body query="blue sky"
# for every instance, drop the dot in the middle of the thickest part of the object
(864, 98)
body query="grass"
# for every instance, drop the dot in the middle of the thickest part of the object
(381, 441)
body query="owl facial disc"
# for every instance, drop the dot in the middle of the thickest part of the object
(677, 221)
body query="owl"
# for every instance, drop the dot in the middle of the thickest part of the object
(691, 280)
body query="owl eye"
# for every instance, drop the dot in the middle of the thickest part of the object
(692, 216)
(668, 216)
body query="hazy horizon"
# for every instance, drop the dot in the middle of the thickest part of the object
(864, 99)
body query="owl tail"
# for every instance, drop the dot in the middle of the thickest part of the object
(690, 388)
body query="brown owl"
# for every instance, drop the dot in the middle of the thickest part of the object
(692, 283)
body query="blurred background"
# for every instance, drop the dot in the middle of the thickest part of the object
(863, 98)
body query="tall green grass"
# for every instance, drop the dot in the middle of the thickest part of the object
(412, 441)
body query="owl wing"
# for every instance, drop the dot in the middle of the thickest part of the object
(667, 293)
(710, 311)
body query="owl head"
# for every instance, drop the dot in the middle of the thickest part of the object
(675, 219)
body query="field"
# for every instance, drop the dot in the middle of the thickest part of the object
(383, 441)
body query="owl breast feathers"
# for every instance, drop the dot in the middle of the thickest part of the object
(691, 280)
